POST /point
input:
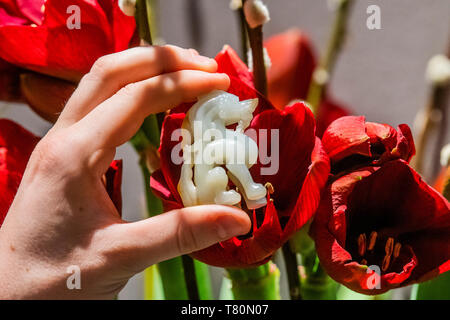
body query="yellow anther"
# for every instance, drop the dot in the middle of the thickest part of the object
(362, 244)
(269, 187)
(386, 262)
(397, 249)
(372, 240)
(389, 248)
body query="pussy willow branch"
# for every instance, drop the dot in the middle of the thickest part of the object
(255, 37)
(243, 34)
(437, 104)
(328, 61)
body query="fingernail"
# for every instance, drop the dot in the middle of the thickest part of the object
(229, 227)
(204, 59)
(195, 52)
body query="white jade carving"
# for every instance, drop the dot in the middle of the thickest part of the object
(213, 153)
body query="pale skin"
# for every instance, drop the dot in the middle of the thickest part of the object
(62, 215)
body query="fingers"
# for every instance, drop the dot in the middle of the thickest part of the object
(114, 71)
(177, 232)
(117, 119)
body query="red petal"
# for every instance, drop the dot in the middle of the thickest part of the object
(229, 62)
(53, 49)
(346, 136)
(16, 145)
(160, 188)
(295, 125)
(31, 9)
(170, 170)
(114, 183)
(293, 63)
(9, 183)
(250, 252)
(309, 199)
(9, 82)
(327, 113)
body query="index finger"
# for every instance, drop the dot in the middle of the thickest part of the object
(112, 72)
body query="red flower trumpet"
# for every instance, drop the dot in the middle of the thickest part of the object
(295, 189)
(379, 226)
(60, 40)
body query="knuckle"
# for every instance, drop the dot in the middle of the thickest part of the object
(103, 67)
(131, 90)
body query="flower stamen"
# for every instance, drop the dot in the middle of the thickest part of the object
(386, 262)
(269, 187)
(362, 244)
(389, 248)
(397, 249)
(372, 240)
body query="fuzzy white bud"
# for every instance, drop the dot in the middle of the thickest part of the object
(256, 13)
(128, 7)
(438, 70)
(445, 156)
(235, 4)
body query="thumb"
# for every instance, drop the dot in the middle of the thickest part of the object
(179, 232)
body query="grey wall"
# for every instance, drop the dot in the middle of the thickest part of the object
(380, 73)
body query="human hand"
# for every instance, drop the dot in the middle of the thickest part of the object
(62, 214)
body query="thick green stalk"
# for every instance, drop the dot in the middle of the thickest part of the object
(325, 68)
(204, 286)
(260, 283)
(153, 289)
(293, 275)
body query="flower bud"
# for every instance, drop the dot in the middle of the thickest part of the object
(128, 7)
(235, 4)
(438, 70)
(445, 156)
(256, 13)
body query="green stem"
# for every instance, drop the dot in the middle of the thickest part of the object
(203, 280)
(328, 61)
(290, 260)
(190, 278)
(260, 283)
(142, 20)
(317, 285)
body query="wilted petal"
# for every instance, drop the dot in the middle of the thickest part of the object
(46, 95)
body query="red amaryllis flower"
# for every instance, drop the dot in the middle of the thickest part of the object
(377, 212)
(303, 171)
(352, 141)
(293, 63)
(16, 146)
(34, 35)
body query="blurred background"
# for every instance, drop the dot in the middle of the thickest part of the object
(380, 73)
